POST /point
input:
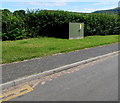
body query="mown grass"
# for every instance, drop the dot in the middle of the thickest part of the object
(39, 47)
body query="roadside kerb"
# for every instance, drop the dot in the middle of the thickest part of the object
(46, 73)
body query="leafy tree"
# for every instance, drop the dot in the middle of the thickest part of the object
(19, 12)
(6, 12)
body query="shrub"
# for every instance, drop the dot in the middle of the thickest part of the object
(53, 23)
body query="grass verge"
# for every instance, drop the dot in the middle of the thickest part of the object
(39, 47)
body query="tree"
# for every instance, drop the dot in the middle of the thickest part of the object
(6, 12)
(19, 12)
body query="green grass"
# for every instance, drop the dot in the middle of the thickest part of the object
(38, 47)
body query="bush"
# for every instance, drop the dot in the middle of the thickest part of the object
(13, 27)
(53, 23)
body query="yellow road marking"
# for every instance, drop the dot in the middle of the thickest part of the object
(16, 93)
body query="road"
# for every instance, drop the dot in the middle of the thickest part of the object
(96, 82)
(17, 70)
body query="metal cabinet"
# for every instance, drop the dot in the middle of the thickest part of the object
(76, 30)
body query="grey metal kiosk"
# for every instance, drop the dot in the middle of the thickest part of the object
(76, 30)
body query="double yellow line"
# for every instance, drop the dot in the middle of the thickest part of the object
(15, 93)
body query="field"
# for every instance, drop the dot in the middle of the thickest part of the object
(20, 50)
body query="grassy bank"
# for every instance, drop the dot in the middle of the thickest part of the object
(38, 47)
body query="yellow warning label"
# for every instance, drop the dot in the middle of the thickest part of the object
(16, 93)
(80, 26)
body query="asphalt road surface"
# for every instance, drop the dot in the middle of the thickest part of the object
(97, 82)
(17, 70)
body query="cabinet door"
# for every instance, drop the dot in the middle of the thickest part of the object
(75, 30)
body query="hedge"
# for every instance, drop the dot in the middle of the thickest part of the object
(35, 23)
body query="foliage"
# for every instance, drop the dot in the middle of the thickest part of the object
(19, 12)
(12, 26)
(35, 23)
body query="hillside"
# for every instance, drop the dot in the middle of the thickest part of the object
(111, 11)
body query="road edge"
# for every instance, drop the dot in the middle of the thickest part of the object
(46, 73)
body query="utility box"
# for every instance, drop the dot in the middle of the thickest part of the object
(76, 30)
(65, 31)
